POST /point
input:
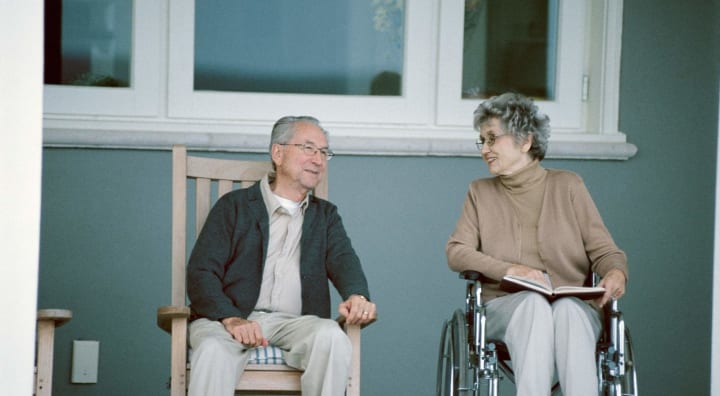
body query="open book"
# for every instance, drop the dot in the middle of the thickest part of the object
(513, 284)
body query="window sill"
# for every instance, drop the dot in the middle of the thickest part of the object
(356, 140)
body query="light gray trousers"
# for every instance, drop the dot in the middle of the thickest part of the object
(543, 337)
(317, 346)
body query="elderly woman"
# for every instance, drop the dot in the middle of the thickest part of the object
(542, 224)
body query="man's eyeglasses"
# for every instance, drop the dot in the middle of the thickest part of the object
(310, 150)
(490, 141)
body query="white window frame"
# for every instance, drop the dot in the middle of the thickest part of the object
(141, 98)
(161, 108)
(412, 106)
(565, 111)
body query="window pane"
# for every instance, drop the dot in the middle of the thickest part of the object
(341, 47)
(509, 45)
(88, 42)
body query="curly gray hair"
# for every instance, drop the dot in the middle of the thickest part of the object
(519, 117)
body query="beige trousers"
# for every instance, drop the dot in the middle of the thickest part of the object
(317, 346)
(545, 338)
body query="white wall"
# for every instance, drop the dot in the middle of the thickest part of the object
(21, 46)
(715, 363)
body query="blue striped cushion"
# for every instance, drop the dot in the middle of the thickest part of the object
(266, 355)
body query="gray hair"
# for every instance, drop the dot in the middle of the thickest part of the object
(519, 117)
(284, 129)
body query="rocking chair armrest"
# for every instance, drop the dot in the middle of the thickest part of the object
(58, 316)
(342, 322)
(166, 315)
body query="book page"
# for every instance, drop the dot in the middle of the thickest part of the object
(579, 289)
(585, 293)
(513, 284)
(529, 281)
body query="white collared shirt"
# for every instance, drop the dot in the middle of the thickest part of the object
(281, 290)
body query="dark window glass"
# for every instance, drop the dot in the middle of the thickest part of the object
(509, 45)
(340, 47)
(88, 42)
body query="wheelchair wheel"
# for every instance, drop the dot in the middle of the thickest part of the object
(629, 381)
(454, 376)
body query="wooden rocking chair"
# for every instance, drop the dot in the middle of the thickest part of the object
(259, 376)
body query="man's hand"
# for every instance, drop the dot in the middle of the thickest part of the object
(247, 332)
(358, 310)
(614, 284)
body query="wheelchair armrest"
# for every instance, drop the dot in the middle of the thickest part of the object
(471, 275)
(475, 276)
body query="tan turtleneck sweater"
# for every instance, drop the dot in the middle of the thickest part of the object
(542, 218)
(525, 191)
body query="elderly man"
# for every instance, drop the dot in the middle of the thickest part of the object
(259, 271)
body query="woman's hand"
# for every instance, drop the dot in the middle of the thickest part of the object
(614, 283)
(529, 273)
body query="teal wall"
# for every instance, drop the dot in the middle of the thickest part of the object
(105, 236)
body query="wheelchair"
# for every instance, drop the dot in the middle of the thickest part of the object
(469, 364)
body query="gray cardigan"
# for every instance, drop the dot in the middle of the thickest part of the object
(226, 265)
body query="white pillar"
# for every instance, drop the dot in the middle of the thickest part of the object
(21, 84)
(715, 352)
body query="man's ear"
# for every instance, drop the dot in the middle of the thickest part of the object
(276, 153)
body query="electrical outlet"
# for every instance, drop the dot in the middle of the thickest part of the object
(85, 361)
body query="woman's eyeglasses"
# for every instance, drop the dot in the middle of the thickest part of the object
(489, 141)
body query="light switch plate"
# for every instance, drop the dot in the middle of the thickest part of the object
(85, 361)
